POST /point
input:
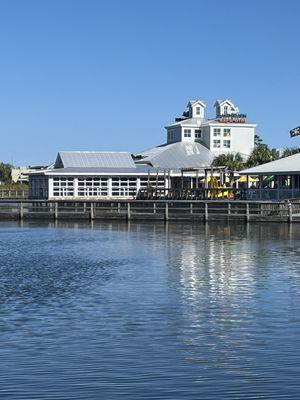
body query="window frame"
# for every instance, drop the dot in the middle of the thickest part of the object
(214, 143)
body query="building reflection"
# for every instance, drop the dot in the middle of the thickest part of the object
(223, 272)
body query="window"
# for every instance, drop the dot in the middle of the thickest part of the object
(217, 132)
(123, 187)
(225, 110)
(92, 187)
(197, 133)
(171, 135)
(227, 132)
(226, 144)
(153, 182)
(187, 133)
(198, 110)
(217, 144)
(63, 187)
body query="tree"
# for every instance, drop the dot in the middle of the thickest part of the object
(233, 161)
(5, 172)
(261, 154)
(289, 151)
(257, 140)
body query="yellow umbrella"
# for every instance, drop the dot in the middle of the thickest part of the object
(244, 179)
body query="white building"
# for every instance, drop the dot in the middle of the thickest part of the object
(192, 143)
(21, 174)
(94, 175)
(227, 132)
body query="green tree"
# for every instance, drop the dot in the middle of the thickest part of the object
(233, 161)
(5, 172)
(257, 140)
(289, 151)
(261, 154)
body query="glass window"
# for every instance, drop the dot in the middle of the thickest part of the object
(187, 133)
(227, 132)
(197, 133)
(217, 144)
(198, 110)
(226, 144)
(226, 110)
(217, 132)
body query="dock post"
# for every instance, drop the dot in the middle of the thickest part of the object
(206, 212)
(229, 208)
(166, 211)
(119, 208)
(290, 212)
(247, 212)
(128, 212)
(92, 212)
(21, 211)
(191, 208)
(56, 211)
(154, 208)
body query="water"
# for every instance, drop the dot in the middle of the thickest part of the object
(149, 311)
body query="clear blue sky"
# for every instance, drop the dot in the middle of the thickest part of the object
(109, 75)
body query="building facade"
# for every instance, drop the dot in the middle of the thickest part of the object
(21, 174)
(228, 132)
(94, 175)
(192, 143)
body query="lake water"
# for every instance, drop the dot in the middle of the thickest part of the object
(149, 311)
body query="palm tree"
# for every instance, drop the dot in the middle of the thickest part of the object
(233, 161)
(261, 154)
(289, 151)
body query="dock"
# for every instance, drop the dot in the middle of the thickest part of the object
(164, 210)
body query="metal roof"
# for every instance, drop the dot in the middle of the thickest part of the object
(178, 155)
(188, 121)
(93, 159)
(286, 165)
(136, 170)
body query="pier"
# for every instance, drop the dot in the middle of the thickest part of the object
(165, 210)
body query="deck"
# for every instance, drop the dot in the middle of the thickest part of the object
(188, 210)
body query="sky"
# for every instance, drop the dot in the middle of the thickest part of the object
(99, 75)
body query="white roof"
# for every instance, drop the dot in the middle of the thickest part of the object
(286, 165)
(187, 121)
(178, 155)
(94, 159)
(192, 102)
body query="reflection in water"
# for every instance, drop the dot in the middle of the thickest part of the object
(149, 310)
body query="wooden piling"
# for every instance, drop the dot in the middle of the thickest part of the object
(92, 210)
(166, 211)
(128, 212)
(290, 213)
(206, 212)
(21, 211)
(56, 211)
(247, 212)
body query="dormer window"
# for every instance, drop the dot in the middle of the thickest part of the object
(198, 111)
(225, 110)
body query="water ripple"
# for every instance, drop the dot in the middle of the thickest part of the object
(149, 311)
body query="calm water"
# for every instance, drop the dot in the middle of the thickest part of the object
(149, 311)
